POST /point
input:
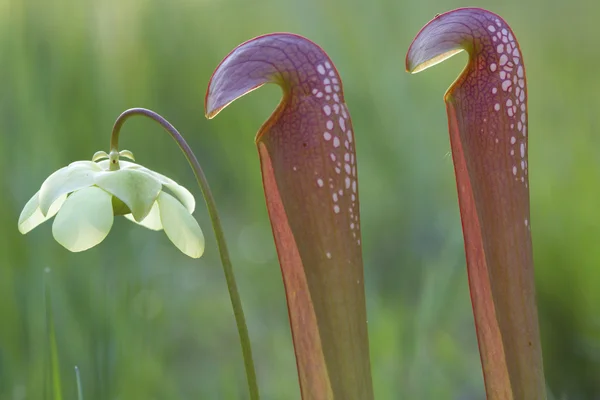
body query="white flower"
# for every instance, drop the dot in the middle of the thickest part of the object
(86, 195)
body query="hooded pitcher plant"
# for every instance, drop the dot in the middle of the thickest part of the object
(487, 118)
(85, 195)
(309, 170)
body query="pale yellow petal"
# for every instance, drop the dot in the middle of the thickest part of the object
(137, 189)
(180, 226)
(32, 216)
(180, 192)
(84, 219)
(76, 176)
(152, 220)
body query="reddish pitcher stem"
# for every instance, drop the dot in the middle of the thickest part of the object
(487, 118)
(308, 163)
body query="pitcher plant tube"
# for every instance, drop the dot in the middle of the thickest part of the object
(487, 118)
(309, 171)
(86, 195)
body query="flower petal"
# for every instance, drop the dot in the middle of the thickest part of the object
(137, 189)
(84, 220)
(152, 220)
(32, 216)
(179, 225)
(66, 180)
(184, 195)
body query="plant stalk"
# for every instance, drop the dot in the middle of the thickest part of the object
(238, 311)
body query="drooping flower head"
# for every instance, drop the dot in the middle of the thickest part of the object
(86, 195)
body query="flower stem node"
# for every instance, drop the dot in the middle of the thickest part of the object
(86, 195)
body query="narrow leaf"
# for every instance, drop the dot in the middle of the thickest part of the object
(487, 114)
(53, 361)
(309, 172)
(79, 388)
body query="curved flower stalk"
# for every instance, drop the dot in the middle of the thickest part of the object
(86, 195)
(487, 114)
(308, 163)
(96, 192)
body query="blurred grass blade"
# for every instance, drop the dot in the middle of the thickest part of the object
(53, 364)
(487, 113)
(308, 163)
(79, 388)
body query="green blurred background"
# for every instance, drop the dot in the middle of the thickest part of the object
(143, 321)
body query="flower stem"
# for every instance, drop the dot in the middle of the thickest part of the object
(218, 229)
